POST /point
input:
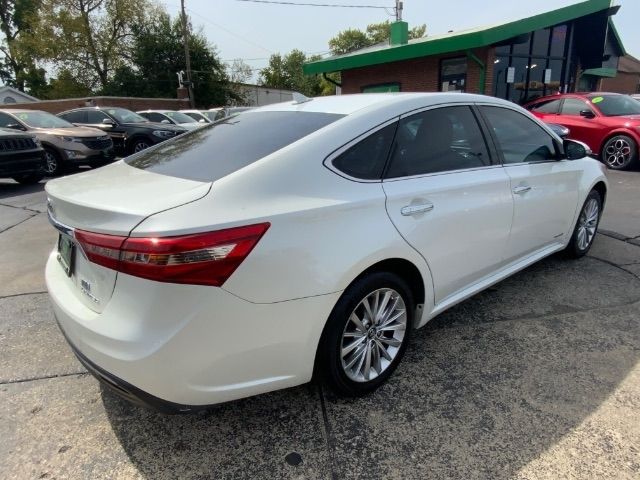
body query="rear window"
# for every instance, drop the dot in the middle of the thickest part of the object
(221, 148)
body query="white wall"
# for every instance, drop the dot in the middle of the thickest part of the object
(257, 96)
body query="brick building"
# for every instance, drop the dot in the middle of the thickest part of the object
(627, 78)
(572, 48)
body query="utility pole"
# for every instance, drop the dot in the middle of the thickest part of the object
(185, 36)
(399, 6)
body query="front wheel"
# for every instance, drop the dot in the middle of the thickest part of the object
(620, 152)
(366, 334)
(53, 165)
(139, 144)
(586, 226)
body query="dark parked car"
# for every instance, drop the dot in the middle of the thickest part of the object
(129, 131)
(21, 157)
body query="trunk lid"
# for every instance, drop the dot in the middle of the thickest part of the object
(111, 200)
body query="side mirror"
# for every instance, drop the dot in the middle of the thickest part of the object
(587, 114)
(574, 150)
(16, 126)
(108, 121)
(202, 120)
(165, 121)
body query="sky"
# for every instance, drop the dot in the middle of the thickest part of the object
(253, 31)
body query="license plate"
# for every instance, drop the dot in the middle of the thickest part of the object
(65, 253)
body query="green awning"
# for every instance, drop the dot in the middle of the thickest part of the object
(601, 72)
(457, 41)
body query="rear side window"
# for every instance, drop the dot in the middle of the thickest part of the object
(548, 106)
(520, 139)
(366, 159)
(219, 149)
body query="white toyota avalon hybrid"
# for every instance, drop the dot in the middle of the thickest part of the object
(305, 237)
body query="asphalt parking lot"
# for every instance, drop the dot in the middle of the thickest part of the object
(538, 377)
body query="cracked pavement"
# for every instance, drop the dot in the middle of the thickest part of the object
(537, 377)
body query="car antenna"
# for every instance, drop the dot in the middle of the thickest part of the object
(299, 98)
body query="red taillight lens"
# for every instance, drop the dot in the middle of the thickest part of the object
(199, 259)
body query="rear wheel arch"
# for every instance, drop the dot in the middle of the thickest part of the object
(136, 138)
(401, 267)
(601, 188)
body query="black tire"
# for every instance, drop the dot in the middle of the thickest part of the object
(138, 144)
(577, 247)
(30, 179)
(53, 163)
(330, 365)
(620, 152)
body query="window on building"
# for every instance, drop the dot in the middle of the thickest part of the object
(367, 158)
(9, 99)
(519, 138)
(382, 88)
(453, 74)
(439, 140)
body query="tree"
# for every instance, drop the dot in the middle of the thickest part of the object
(157, 56)
(354, 39)
(17, 66)
(89, 38)
(286, 72)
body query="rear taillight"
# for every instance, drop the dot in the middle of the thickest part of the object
(199, 259)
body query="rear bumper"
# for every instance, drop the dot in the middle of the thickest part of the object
(126, 390)
(179, 348)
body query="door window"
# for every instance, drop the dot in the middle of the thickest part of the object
(520, 138)
(95, 117)
(439, 140)
(573, 106)
(366, 159)
(154, 116)
(78, 116)
(6, 120)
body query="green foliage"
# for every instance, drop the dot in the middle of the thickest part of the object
(354, 39)
(286, 72)
(157, 55)
(18, 62)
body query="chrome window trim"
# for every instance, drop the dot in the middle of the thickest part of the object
(438, 174)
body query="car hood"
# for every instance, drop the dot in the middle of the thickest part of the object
(84, 132)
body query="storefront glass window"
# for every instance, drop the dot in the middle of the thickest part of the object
(558, 40)
(541, 42)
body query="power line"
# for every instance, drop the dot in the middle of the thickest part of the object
(333, 5)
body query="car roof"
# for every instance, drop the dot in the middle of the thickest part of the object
(155, 111)
(348, 104)
(19, 110)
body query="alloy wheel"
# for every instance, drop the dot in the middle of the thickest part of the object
(588, 223)
(51, 162)
(373, 335)
(618, 153)
(139, 146)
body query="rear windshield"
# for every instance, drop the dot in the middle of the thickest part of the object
(221, 148)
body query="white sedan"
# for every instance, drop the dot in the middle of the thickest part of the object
(305, 237)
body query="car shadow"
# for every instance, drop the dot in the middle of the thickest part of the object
(485, 389)
(9, 188)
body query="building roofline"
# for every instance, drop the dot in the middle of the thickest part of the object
(458, 41)
(18, 92)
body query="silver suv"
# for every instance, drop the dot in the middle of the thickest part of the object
(65, 145)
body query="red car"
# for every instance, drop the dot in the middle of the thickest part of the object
(609, 123)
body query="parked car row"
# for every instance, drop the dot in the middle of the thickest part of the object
(608, 123)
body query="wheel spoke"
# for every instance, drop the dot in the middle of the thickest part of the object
(383, 350)
(357, 356)
(352, 346)
(377, 363)
(367, 363)
(380, 313)
(357, 322)
(391, 341)
(392, 328)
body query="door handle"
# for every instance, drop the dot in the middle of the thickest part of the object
(522, 189)
(416, 209)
